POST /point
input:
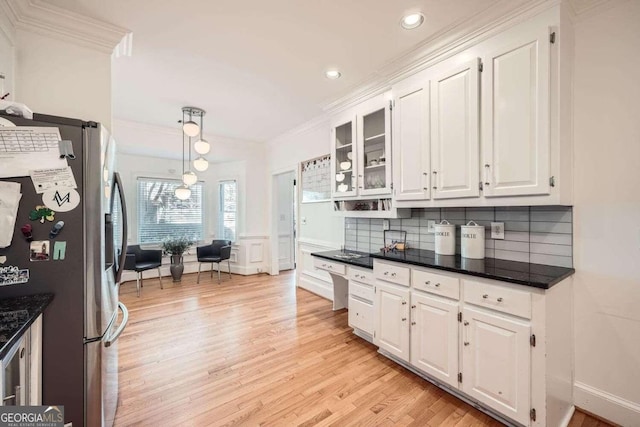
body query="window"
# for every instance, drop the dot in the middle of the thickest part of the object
(161, 214)
(228, 215)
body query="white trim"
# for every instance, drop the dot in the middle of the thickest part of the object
(605, 404)
(253, 237)
(39, 17)
(324, 244)
(7, 28)
(564, 422)
(316, 286)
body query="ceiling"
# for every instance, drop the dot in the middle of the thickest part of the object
(256, 66)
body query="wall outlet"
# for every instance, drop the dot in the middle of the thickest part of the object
(431, 226)
(497, 230)
(385, 224)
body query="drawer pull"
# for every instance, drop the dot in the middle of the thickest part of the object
(393, 274)
(413, 306)
(324, 265)
(362, 277)
(357, 275)
(500, 299)
(329, 266)
(485, 296)
(404, 319)
(413, 323)
(466, 323)
(437, 285)
(466, 343)
(428, 282)
(386, 273)
(404, 303)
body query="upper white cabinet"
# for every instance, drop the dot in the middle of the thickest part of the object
(455, 98)
(344, 166)
(411, 152)
(515, 106)
(361, 147)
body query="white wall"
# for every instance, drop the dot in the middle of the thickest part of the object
(607, 213)
(63, 79)
(7, 58)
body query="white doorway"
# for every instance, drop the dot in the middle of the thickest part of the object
(285, 203)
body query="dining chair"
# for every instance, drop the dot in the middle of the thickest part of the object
(140, 260)
(216, 252)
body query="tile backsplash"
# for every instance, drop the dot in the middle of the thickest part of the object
(536, 234)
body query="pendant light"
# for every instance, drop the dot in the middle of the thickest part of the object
(201, 147)
(201, 164)
(190, 128)
(182, 192)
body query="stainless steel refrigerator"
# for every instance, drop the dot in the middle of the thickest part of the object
(83, 322)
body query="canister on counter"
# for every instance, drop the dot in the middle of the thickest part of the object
(472, 240)
(445, 238)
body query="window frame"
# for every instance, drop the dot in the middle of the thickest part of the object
(220, 224)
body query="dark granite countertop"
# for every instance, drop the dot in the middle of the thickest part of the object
(364, 260)
(521, 273)
(16, 316)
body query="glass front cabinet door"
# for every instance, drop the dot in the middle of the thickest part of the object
(344, 164)
(361, 145)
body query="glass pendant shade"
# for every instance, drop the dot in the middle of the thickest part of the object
(191, 128)
(183, 192)
(189, 178)
(201, 164)
(202, 146)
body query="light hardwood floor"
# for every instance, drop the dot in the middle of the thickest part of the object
(256, 350)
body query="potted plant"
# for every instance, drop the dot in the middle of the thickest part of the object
(176, 247)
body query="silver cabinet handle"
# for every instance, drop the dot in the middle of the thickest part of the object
(500, 299)
(428, 282)
(404, 303)
(413, 323)
(435, 187)
(362, 277)
(437, 285)
(413, 306)
(393, 274)
(486, 174)
(329, 266)
(357, 275)
(404, 319)
(324, 265)
(466, 323)
(466, 343)
(485, 296)
(386, 273)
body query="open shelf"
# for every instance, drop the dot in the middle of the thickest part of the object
(375, 166)
(347, 171)
(370, 208)
(374, 137)
(344, 146)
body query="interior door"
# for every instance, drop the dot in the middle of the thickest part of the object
(392, 320)
(455, 144)
(286, 221)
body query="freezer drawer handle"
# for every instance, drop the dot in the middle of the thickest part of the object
(125, 320)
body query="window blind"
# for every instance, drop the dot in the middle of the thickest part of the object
(161, 214)
(227, 223)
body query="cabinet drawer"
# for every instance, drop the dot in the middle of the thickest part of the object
(438, 284)
(330, 266)
(361, 290)
(361, 275)
(361, 315)
(498, 298)
(392, 273)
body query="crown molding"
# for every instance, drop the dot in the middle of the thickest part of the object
(45, 19)
(440, 46)
(583, 9)
(7, 29)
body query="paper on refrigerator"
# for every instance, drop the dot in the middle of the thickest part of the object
(25, 148)
(9, 201)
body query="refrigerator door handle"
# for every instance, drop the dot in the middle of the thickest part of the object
(125, 320)
(123, 249)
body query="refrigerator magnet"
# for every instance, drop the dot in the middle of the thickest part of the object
(61, 200)
(13, 275)
(40, 213)
(39, 250)
(59, 250)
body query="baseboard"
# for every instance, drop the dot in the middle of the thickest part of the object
(192, 267)
(606, 405)
(318, 287)
(564, 422)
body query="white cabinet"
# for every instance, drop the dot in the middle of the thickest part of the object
(361, 150)
(455, 145)
(434, 337)
(411, 152)
(392, 320)
(344, 165)
(496, 362)
(515, 109)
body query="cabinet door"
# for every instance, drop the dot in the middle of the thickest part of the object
(434, 337)
(344, 165)
(392, 320)
(411, 164)
(454, 132)
(496, 358)
(374, 147)
(15, 374)
(515, 93)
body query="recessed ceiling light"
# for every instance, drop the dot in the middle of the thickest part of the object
(332, 74)
(411, 21)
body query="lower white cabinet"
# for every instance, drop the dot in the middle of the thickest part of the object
(392, 320)
(496, 362)
(361, 315)
(434, 337)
